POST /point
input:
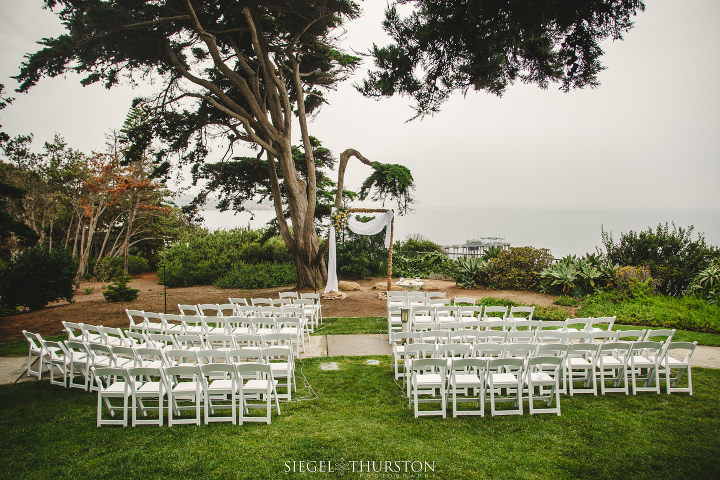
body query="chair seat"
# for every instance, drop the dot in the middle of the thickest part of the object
(504, 379)
(150, 387)
(258, 386)
(466, 380)
(217, 386)
(428, 379)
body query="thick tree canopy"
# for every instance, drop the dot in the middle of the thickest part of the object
(448, 45)
(236, 70)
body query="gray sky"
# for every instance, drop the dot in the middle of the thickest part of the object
(649, 136)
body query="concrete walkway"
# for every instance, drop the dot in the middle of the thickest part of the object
(12, 369)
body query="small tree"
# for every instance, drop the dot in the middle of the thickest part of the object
(36, 277)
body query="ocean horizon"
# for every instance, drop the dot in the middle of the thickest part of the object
(564, 231)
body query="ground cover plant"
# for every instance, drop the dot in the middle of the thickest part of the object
(359, 414)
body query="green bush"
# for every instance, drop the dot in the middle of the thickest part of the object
(706, 284)
(36, 277)
(263, 275)
(417, 243)
(673, 257)
(518, 268)
(120, 292)
(201, 257)
(107, 268)
(567, 301)
(421, 264)
(578, 276)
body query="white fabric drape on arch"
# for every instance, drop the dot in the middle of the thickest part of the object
(372, 227)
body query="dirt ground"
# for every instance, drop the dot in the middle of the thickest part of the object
(89, 305)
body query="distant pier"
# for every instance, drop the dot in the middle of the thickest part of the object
(475, 248)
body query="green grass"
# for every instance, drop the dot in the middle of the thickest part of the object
(686, 313)
(359, 414)
(352, 325)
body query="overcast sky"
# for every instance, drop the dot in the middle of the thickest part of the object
(649, 136)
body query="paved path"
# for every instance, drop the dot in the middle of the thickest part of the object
(12, 369)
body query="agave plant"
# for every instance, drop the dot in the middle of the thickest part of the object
(562, 274)
(470, 271)
(707, 283)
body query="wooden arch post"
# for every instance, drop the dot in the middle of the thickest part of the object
(392, 232)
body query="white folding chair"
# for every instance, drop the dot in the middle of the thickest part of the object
(282, 363)
(185, 392)
(612, 366)
(601, 324)
(544, 373)
(493, 311)
(258, 384)
(152, 388)
(681, 365)
(580, 364)
(645, 366)
(505, 375)
(35, 350)
(112, 383)
(137, 320)
(467, 375)
(469, 301)
(221, 385)
(428, 377)
(515, 312)
(188, 309)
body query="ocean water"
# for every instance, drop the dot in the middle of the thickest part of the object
(564, 231)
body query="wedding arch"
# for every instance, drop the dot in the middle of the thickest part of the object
(373, 227)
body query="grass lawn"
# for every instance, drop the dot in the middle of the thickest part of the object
(358, 414)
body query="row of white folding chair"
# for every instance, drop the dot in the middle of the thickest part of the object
(72, 359)
(315, 297)
(262, 337)
(440, 317)
(642, 361)
(485, 376)
(285, 318)
(471, 335)
(208, 387)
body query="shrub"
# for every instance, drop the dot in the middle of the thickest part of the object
(518, 268)
(36, 277)
(421, 264)
(470, 272)
(672, 256)
(567, 301)
(706, 284)
(417, 243)
(120, 292)
(264, 275)
(201, 257)
(107, 268)
(578, 276)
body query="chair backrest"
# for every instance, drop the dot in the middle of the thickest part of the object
(493, 336)
(227, 309)
(468, 300)
(279, 302)
(188, 309)
(434, 336)
(438, 302)
(618, 350)
(181, 355)
(75, 331)
(496, 324)
(582, 337)
(189, 341)
(665, 334)
(650, 350)
(208, 309)
(522, 350)
(515, 311)
(108, 372)
(409, 337)
(492, 311)
(261, 301)
(435, 364)
(603, 323)
(551, 349)
(35, 345)
(136, 317)
(506, 364)
(432, 295)
(247, 340)
(553, 324)
(127, 353)
(603, 336)
(277, 353)
(212, 356)
(523, 324)
(402, 294)
(630, 335)
(549, 336)
(416, 294)
(420, 350)
(689, 348)
(579, 324)
(488, 350)
(241, 355)
(477, 365)
(288, 295)
(521, 336)
(470, 311)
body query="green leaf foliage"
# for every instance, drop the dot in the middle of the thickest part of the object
(261, 275)
(673, 257)
(36, 277)
(389, 181)
(442, 46)
(120, 292)
(201, 257)
(518, 268)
